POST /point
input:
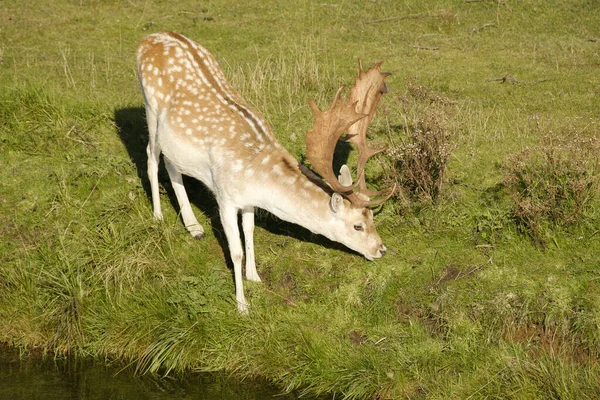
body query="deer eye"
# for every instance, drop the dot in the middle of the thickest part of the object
(359, 228)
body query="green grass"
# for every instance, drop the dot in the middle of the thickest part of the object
(463, 306)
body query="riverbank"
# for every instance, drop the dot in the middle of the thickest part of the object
(34, 376)
(469, 302)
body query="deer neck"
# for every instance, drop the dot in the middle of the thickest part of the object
(292, 196)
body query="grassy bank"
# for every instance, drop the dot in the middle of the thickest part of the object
(478, 297)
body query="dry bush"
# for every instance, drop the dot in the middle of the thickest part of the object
(421, 159)
(553, 183)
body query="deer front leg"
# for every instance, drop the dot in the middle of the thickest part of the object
(189, 219)
(153, 152)
(248, 228)
(229, 220)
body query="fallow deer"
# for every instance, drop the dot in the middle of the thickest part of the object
(205, 130)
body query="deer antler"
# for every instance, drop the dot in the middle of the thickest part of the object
(366, 93)
(321, 140)
(352, 117)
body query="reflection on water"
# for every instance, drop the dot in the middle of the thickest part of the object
(33, 378)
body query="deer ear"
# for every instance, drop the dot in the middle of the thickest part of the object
(345, 177)
(337, 202)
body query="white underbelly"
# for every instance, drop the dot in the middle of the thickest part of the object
(189, 158)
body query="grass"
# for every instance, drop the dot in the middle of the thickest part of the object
(465, 305)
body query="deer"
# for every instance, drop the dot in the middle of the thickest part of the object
(204, 129)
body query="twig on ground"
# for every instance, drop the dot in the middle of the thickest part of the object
(457, 182)
(399, 17)
(512, 80)
(423, 47)
(484, 26)
(92, 189)
(493, 1)
(433, 14)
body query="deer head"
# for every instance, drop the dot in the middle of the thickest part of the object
(353, 117)
(349, 201)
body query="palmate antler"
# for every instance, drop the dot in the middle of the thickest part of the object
(353, 117)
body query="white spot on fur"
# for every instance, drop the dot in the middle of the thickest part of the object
(237, 166)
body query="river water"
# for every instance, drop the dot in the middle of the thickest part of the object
(32, 378)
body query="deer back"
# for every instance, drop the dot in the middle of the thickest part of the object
(207, 119)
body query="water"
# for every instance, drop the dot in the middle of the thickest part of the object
(34, 378)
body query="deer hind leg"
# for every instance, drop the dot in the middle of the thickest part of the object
(189, 219)
(248, 228)
(153, 152)
(229, 220)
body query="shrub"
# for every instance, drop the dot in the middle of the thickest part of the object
(553, 183)
(421, 159)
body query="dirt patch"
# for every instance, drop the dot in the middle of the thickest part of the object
(453, 272)
(428, 311)
(540, 341)
(427, 314)
(357, 338)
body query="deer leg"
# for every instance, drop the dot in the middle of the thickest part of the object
(189, 219)
(229, 220)
(248, 228)
(153, 152)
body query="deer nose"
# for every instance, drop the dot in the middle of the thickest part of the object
(382, 250)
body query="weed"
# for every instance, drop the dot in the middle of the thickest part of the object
(490, 225)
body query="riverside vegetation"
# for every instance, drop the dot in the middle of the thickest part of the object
(491, 285)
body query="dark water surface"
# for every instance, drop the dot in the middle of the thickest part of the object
(34, 377)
